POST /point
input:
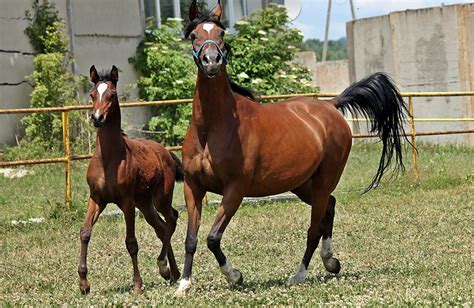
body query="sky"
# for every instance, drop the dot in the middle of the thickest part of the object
(312, 18)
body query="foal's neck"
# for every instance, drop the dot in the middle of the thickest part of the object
(214, 103)
(109, 141)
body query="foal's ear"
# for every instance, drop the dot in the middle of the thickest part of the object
(193, 11)
(114, 74)
(218, 11)
(93, 75)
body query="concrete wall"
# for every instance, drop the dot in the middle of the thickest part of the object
(103, 33)
(423, 50)
(330, 76)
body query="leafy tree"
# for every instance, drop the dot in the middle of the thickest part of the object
(262, 53)
(168, 72)
(53, 85)
(337, 50)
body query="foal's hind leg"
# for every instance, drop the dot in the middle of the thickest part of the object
(164, 206)
(128, 209)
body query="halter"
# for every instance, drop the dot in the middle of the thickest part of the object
(222, 53)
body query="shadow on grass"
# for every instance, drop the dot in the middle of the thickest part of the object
(253, 286)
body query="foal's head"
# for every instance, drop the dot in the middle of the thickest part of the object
(103, 94)
(207, 36)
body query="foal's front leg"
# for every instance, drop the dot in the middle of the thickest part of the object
(128, 209)
(232, 198)
(93, 212)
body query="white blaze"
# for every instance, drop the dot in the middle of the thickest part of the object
(208, 27)
(101, 89)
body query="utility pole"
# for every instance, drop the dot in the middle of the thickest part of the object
(352, 9)
(325, 47)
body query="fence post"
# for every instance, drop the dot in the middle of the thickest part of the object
(67, 157)
(416, 171)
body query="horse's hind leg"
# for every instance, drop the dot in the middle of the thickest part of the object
(322, 218)
(330, 263)
(93, 211)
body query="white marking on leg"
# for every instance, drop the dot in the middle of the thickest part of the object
(208, 27)
(231, 274)
(184, 286)
(300, 275)
(101, 89)
(326, 249)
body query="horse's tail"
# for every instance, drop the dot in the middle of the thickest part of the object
(378, 99)
(179, 176)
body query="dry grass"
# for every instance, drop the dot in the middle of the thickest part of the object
(406, 243)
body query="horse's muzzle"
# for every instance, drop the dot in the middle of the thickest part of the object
(211, 63)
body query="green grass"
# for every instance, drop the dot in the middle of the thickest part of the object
(407, 243)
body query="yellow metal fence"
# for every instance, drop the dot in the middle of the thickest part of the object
(68, 157)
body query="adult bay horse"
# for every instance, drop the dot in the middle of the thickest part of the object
(237, 147)
(130, 173)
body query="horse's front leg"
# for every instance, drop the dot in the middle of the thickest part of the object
(93, 212)
(131, 243)
(193, 195)
(231, 200)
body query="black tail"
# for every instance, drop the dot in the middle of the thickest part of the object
(179, 176)
(378, 99)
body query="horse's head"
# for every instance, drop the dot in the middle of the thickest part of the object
(207, 35)
(103, 94)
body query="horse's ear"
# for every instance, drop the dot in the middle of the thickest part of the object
(193, 11)
(218, 11)
(114, 74)
(93, 75)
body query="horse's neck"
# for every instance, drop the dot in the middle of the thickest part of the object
(214, 103)
(109, 141)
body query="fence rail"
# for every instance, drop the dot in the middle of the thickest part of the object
(68, 158)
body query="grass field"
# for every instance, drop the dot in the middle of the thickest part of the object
(404, 243)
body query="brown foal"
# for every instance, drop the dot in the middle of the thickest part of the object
(237, 147)
(130, 173)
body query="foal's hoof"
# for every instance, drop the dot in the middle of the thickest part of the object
(333, 265)
(138, 290)
(85, 289)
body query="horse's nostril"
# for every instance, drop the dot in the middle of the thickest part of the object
(206, 59)
(218, 58)
(101, 118)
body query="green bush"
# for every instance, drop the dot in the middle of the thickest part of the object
(263, 51)
(168, 72)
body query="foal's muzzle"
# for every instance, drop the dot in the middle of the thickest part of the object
(97, 119)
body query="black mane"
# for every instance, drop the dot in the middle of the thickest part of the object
(242, 90)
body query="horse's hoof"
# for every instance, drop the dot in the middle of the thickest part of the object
(174, 277)
(184, 287)
(164, 269)
(299, 276)
(235, 277)
(333, 265)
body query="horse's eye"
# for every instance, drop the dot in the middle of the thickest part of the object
(193, 36)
